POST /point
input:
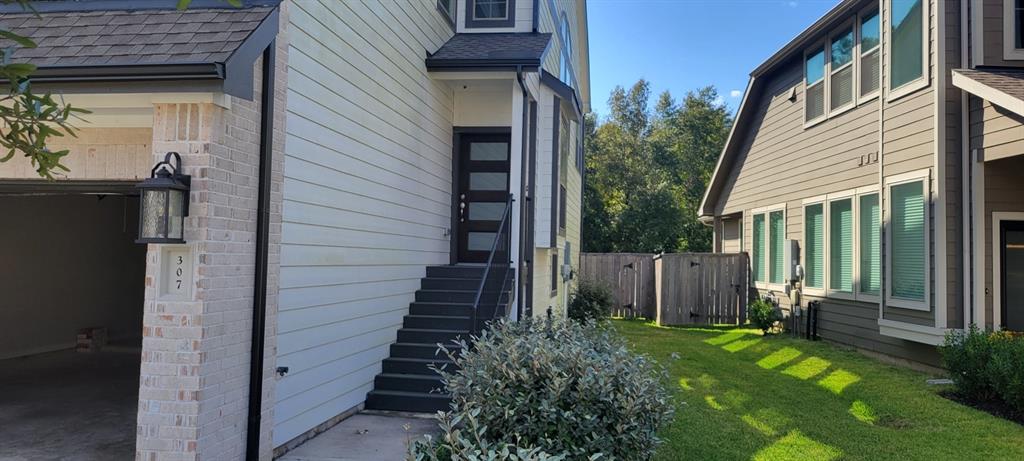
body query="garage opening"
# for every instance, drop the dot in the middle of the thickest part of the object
(72, 281)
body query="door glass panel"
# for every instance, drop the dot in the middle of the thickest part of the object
(480, 241)
(488, 151)
(486, 211)
(1014, 281)
(488, 181)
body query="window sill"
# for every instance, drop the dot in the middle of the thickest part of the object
(815, 122)
(907, 89)
(1013, 54)
(842, 110)
(911, 332)
(847, 295)
(908, 304)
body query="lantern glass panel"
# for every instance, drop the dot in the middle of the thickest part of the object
(176, 199)
(154, 219)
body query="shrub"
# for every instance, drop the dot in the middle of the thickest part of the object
(567, 388)
(763, 315)
(1006, 369)
(465, 440)
(590, 301)
(967, 355)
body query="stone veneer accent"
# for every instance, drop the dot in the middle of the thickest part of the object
(194, 380)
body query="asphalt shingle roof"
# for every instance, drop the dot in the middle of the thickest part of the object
(1007, 81)
(98, 38)
(487, 48)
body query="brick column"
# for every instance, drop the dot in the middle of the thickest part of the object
(193, 390)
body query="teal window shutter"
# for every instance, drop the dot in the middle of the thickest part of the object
(870, 245)
(758, 247)
(776, 234)
(814, 245)
(841, 245)
(908, 241)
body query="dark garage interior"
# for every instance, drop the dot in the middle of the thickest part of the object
(72, 282)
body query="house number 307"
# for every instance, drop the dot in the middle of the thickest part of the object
(177, 272)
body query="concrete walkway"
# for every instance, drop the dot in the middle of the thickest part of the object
(365, 437)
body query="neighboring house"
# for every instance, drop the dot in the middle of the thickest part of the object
(886, 140)
(350, 167)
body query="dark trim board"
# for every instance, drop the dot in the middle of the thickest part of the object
(555, 171)
(509, 21)
(70, 187)
(457, 132)
(530, 238)
(562, 90)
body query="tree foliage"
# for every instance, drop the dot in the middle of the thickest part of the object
(647, 170)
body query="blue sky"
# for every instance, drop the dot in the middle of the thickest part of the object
(681, 45)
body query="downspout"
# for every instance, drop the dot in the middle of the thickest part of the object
(536, 16)
(882, 94)
(523, 260)
(259, 301)
(967, 194)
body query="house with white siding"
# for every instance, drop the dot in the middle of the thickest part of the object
(362, 180)
(874, 171)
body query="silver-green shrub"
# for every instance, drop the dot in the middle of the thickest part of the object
(567, 388)
(463, 439)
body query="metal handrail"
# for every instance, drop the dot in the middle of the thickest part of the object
(501, 240)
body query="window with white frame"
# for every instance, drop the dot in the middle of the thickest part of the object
(490, 13)
(869, 245)
(814, 246)
(565, 72)
(814, 85)
(841, 76)
(870, 54)
(769, 235)
(840, 246)
(447, 8)
(907, 244)
(908, 36)
(1013, 29)
(490, 9)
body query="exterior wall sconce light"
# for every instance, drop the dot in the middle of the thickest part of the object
(164, 202)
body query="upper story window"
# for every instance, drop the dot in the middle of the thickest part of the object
(907, 50)
(841, 70)
(1013, 29)
(814, 81)
(567, 55)
(490, 13)
(447, 8)
(870, 45)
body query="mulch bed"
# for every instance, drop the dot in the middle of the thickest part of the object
(995, 407)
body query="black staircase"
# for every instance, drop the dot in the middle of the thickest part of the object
(453, 301)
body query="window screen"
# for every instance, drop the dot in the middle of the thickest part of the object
(814, 245)
(841, 245)
(758, 248)
(776, 236)
(908, 252)
(870, 245)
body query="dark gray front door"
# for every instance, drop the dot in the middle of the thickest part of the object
(1011, 246)
(482, 192)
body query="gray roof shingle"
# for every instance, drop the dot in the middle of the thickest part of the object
(1007, 81)
(97, 38)
(490, 50)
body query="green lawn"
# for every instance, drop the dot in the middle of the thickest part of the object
(744, 396)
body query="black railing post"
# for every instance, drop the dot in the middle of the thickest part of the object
(497, 266)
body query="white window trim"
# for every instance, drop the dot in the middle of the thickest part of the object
(1010, 50)
(830, 292)
(923, 176)
(472, 14)
(821, 45)
(854, 66)
(861, 296)
(767, 211)
(997, 264)
(869, 11)
(819, 200)
(893, 94)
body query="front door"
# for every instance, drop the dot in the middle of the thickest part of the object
(1011, 246)
(482, 192)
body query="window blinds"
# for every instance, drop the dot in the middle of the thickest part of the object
(758, 247)
(814, 236)
(908, 241)
(841, 245)
(870, 245)
(776, 234)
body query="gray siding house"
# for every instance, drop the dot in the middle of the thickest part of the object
(884, 145)
(360, 172)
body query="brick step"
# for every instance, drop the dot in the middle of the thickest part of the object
(416, 402)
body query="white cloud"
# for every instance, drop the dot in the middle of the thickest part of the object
(792, 4)
(735, 93)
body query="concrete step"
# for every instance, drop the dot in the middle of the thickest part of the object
(456, 296)
(425, 336)
(416, 366)
(450, 283)
(421, 351)
(442, 308)
(456, 271)
(429, 384)
(437, 322)
(416, 402)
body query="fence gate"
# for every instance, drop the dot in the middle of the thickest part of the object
(700, 288)
(630, 276)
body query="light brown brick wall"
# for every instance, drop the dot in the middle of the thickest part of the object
(194, 386)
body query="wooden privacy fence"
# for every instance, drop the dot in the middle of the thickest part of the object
(630, 277)
(675, 289)
(702, 288)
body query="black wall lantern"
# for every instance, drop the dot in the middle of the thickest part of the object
(164, 203)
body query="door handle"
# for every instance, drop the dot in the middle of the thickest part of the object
(462, 207)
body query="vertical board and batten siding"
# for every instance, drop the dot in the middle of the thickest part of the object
(952, 195)
(992, 35)
(366, 196)
(997, 131)
(780, 161)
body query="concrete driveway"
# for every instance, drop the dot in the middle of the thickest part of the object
(365, 437)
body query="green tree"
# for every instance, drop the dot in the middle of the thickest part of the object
(647, 170)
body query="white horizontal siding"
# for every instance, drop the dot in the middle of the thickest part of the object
(367, 192)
